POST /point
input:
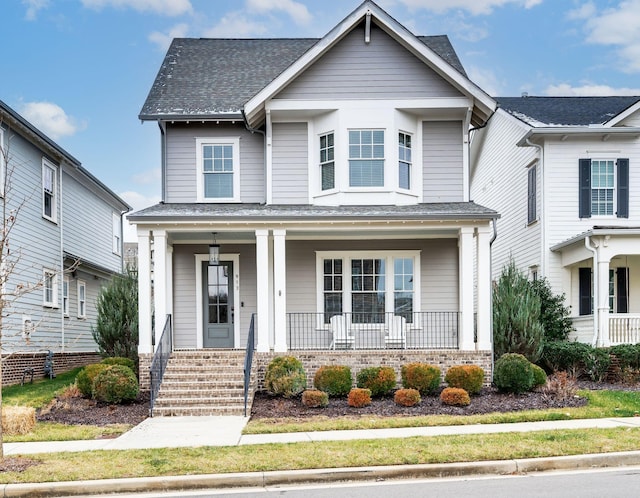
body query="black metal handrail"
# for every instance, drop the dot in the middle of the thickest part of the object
(248, 361)
(159, 361)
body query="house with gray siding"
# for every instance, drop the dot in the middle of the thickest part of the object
(563, 173)
(65, 243)
(315, 202)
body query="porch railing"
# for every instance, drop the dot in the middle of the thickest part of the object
(248, 361)
(159, 362)
(418, 330)
(624, 328)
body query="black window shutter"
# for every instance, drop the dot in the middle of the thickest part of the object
(585, 188)
(622, 277)
(623, 188)
(586, 306)
(531, 195)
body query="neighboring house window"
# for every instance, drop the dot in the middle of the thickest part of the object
(327, 164)
(332, 296)
(366, 158)
(218, 169)
(49, 191)
(49, 287)
(531, 194)
(619, 290)
(604, 187)
(585, 291)
(117, 234)
(404, 160)
(82, 299)
(65, 296)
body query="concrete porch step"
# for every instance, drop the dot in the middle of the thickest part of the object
(200, 411)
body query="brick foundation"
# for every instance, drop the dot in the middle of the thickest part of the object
(144, 362)
(13, 366)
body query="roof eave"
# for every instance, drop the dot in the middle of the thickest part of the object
(575, 130)
(185, 118)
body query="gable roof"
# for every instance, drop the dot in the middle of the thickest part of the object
(565, 111)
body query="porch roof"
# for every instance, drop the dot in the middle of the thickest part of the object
(295, 212)
(595, 231)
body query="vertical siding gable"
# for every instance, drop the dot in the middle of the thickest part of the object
(290, 157)
(442, 161)
(380, 69)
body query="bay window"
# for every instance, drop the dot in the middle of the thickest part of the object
(366, 158)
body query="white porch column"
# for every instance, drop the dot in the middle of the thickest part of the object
(465, 243)
(170, 280)
(159, 281)
(280, 290)
(602, 301)
(262, 289)
(483, 292)
(144, 293)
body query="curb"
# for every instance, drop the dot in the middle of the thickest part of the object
(320, 476)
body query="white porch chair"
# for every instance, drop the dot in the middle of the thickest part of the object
(396, 336)
(341, 337)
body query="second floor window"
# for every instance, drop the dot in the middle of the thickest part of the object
(604, 187)
(404, 160)
(531, 194)
(49, 191)
(366, 158)
(327, 162)
(218, 176)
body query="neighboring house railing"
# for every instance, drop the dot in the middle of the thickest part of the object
(159, 362)
(248, 361)
(624, 328)
(418, 330)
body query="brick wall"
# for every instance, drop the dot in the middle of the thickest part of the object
(144, 362)
(13, 366)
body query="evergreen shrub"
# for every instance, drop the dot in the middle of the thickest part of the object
(115, 384)
(335, 380)
(380, 380)
(314, 398)
(454, 396)
(407, 397)
(467, 377)
(513, 373)
(423, 377)
(86, 376)
(359, 397)
(285, 376)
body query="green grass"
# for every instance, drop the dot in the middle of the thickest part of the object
(40, 393)
(329, 454)
(50, 431)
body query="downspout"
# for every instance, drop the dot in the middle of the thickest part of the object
(493, 239)
(264, 135)
(163, 159)
(543, 234)
(61, 279)
(596, 314)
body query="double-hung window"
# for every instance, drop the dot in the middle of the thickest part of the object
(404, 160)
(332, 288)
(604, 187)
(327, 162)
(532, 194)
(82, 299)
(65, 296)
(218, 178)
(366, 158)
(49, 288)
(49, 190)
(116, 234)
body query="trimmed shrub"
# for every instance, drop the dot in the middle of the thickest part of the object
(115, 384)
(285, 376)
(423, 377)
(454, 396)
(86, 376)
(120, 360)
(379, 380)
(359, 397)
(18, 420)
(539, 376)
(335, 380)
(314, 398)
(467, 377)
(513, 373)
(558, 356)
(407, 397)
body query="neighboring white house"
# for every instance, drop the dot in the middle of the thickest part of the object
(332, 175)
(563, 173)
(66, 242)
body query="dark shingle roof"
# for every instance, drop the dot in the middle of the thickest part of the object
(209, 77)
(567, 111)
(255, 212)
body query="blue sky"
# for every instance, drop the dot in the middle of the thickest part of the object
(80, 70)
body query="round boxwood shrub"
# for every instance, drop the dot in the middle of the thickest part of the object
(380, 380)
(315, 398)
(539, 376)
(119, 360)
(285, 377)
(407, 397)
(513, 373)
(86, 376)
(335, 380)
(455, 396)
(423, 377)
(467, 377)
(359, 397)
(115, 384)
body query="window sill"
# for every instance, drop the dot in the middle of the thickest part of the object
(51, 220)
(532, 222)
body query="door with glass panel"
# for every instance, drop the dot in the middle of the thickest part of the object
(218, 308)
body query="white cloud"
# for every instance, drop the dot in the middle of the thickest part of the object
(297, 11)
(33, 7)
(585, 11)
(163, 40)
(475, 7)
(50, 119)
(164, 7)
(137, 201)
(485, 79)
(149, 177)
(235, 25)
(588, 90)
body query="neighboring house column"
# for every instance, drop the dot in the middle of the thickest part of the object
(262, 289)
(144, 293)
(159, 281)
(280, 290)
(483, 278)
(465, 243)
(602, 300)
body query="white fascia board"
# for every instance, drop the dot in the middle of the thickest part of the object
(623, 115)
(403, 104)
(392, 27)
(576, 130)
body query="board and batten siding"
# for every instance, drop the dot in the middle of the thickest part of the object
(290, 171)
(382, 68)
(442, 157)
(181, 168)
